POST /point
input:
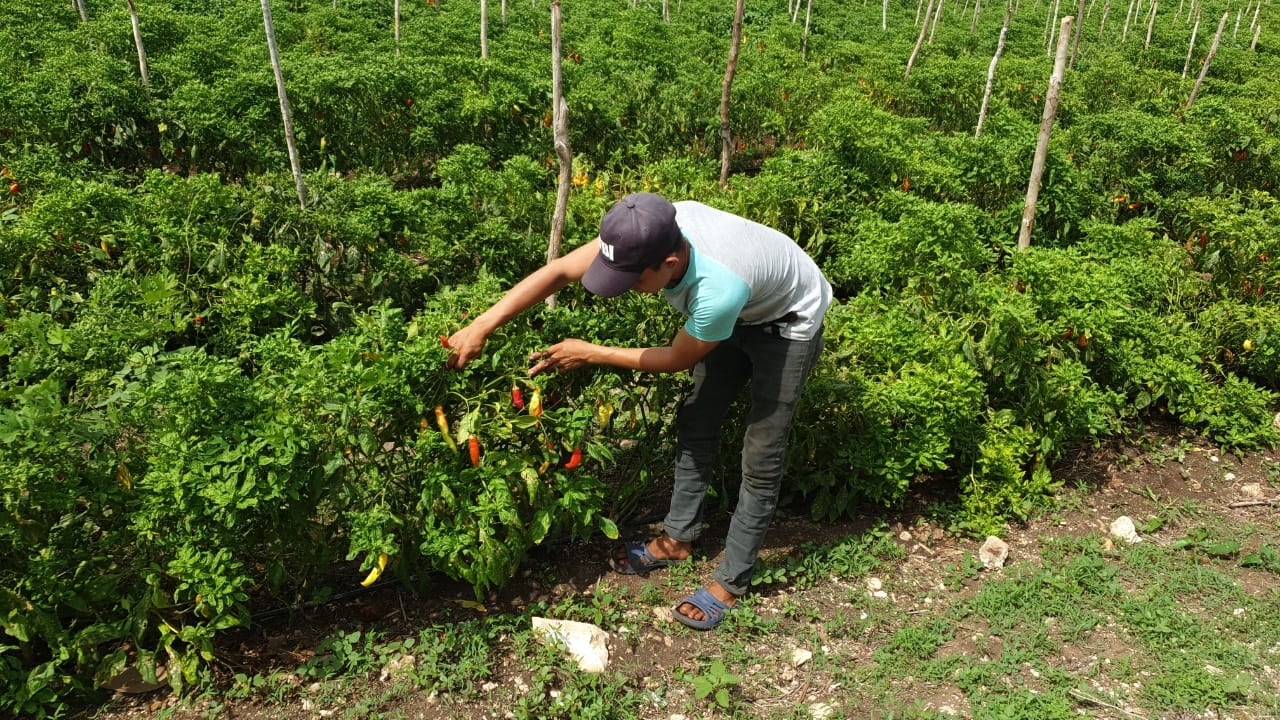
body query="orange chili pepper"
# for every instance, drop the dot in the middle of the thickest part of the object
(535, 403)
(473, 446)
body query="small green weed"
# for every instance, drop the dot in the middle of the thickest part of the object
(716, 683)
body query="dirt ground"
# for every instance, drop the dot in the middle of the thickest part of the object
(1150, 475)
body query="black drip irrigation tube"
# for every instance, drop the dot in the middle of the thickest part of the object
(357, 592)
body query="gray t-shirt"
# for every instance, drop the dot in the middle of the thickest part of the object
(743, 272)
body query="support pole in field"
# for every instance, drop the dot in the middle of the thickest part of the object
(137, 41)
(294, 163)
(1042, 142)
(484, 29)
(726, 137)
(919, 40)
(937, 18)
(1256, 33)
(560, 113)
(1124, 34)
(1102, 26)
(1191, 47)
(80, 8)
(1236, 31)
(804, 42)
(1048, 50)
(1204, 68)
(884, 16)
(1151, 23)
(395, 10)
(1253, 24)
(991, 71)
(666, 11)
(973, 23)
(1075, 41)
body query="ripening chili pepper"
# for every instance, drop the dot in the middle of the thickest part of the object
(444, 341)
(574, 460)
(535, 403)
(604, 413)
(517, 398)
(442, 422)
(473, 447)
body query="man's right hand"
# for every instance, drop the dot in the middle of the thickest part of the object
(466, 345)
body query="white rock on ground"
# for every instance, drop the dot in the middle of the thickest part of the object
(1122, 528)
(586, 643)
(1251, 490)
(993, 553)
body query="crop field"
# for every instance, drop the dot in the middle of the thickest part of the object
(225, 280)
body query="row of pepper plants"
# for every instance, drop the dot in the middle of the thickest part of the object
(214, 403)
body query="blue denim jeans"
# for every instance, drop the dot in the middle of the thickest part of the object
(776, 369)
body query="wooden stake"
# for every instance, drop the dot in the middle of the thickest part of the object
(1191, 47)
(884, 16)
(1102, 26)
(1042, 142)
(1075, 41)
(484, 29)
(1204, 68)
(137, 41)
(1056, 7)
(290, 140)
(973, 24)
(1151, 23)
(804, 42)
(919, 40)
(395, 11)
(1124, 34)
(1256, 32)
(991, 72)
(726, 138)
(1236, 31)
(560, 122)
(937, 17)
(80, 8)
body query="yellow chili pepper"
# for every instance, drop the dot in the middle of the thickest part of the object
(535, 403)
(442, 422)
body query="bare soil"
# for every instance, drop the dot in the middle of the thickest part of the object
(1167, 472)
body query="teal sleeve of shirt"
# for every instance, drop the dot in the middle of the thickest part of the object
(714, 312)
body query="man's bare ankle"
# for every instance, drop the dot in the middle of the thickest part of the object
(669, 548)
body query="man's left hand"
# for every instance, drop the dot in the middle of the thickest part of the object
(569, 354)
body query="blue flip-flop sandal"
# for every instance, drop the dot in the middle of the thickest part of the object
(639, 560)
(713, 610)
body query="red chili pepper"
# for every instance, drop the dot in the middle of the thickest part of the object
(517, 398)
(574, 460)
(473, 445)
(444, 341)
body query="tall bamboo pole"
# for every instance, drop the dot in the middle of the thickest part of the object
(1191, 46)
(991, 71)
(137, 41)
(484, 29)
(1124, 34)
(1102, 25)
(973, 23)
(395, 11)
(1056, 7)
(937, 17)
(1075, 41)
(80, 8)
(294, 162)
(804, 42)
(1236, 31)
(919, 40)
(726, 138)
(884, 16)
(1151, 23)
(1256, 33)
(560, 112)
(1204, 68)
(1046, 128)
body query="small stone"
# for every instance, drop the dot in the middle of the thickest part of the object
(874, 584)
(663, 613)
(397, 667)
(1229, 477)
(880, 594)
(1238, 612)
(1276, 421)
(1122, 529)
(904, 536)
(800, 656)
(993, 553)
(1213, 458)
(489, 686)
(1251, 490)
